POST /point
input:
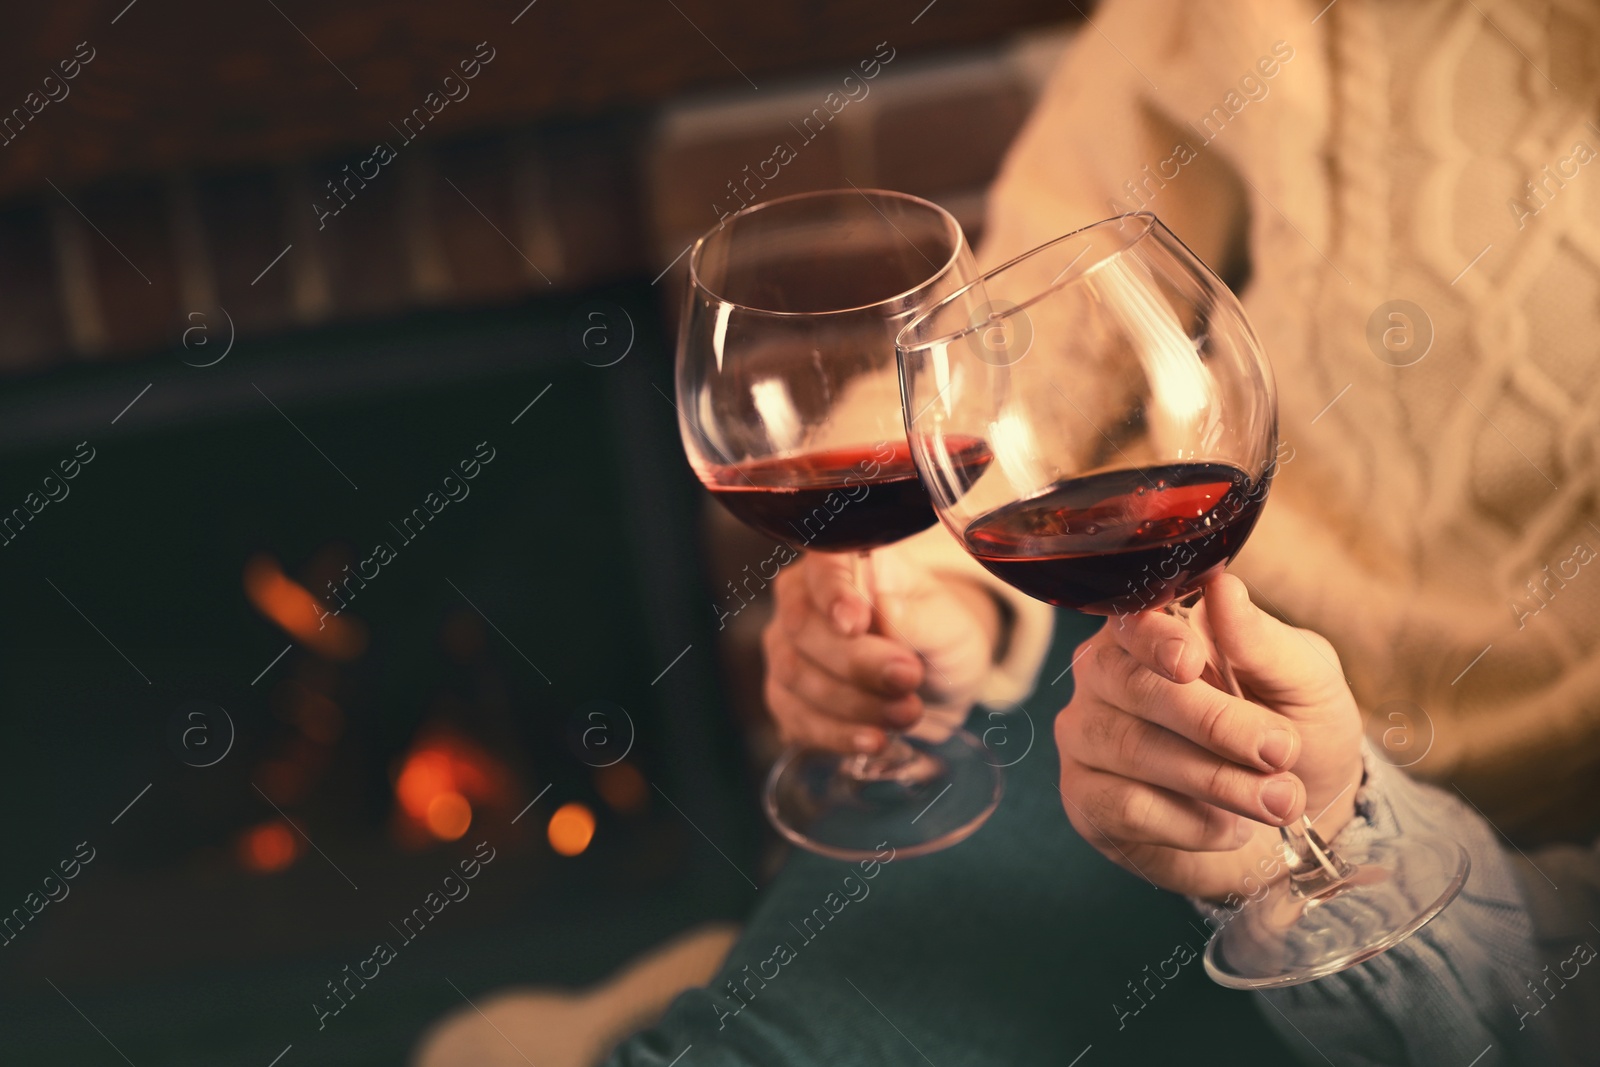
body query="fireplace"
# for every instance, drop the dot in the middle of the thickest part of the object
(318, 629)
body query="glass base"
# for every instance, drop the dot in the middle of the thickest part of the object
(1285, 939)
(926, 796)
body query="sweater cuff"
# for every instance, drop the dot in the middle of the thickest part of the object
(1391, 804)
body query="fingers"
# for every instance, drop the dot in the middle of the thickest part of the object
(803, 724)
(1107, 739)
(830, 586)
(1162, 642)
(844, 698)
(1224, 725)
(1109, 808)
(827, 689)
(1278, 663)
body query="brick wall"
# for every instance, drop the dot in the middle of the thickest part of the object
(112, 271)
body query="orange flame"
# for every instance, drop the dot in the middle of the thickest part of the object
(440, 780)
(300, 614)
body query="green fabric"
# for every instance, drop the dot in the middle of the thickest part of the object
(1015, 947)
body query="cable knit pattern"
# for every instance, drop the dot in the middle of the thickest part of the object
(1386, 161)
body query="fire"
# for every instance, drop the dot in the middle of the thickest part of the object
(300, 614)
(441, 780)
(571, 829)
(268, 847)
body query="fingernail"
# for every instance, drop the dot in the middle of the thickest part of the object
(867, 740)
(843, 617)
(901, 675)
(1243, 832)
(1169, 654)
(1277, 796)
(1275, 748)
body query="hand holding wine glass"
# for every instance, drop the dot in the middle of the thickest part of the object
(1180, 782)
(835, 681)
(1130, 420)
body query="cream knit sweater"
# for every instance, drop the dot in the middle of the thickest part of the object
(1370, 153)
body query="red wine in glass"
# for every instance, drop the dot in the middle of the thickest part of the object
(1121, 541)
(839, 500)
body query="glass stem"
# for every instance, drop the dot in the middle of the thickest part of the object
(890, 761)
(1314, 867)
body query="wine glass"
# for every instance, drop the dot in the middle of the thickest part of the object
(1131, 417)
(789, 406)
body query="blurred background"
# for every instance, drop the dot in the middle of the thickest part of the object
(370, 306)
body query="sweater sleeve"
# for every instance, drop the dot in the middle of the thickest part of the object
(1470, 987)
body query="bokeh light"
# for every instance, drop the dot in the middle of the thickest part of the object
(448, 816)
(268, 847)
(571, 829)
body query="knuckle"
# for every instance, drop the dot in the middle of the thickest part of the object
(777, 699)
(1214, 722)
(782, 663)
(1142, 684)
(1325, 649)
(783, 587)
(1223, 782)
(1220, 829)
(1099, 807)
(1131, 740)
(1098, 724)
(1134, 809)
(1064, 732)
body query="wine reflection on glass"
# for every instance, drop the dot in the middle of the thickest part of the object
(1130, 418)
(789, 407)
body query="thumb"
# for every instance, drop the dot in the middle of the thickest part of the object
(1279, 664)
(835, 592)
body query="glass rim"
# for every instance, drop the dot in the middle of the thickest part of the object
(952, 226)
(1148, 218)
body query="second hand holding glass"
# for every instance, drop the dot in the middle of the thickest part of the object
(1131, 421)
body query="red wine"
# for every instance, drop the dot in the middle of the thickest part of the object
(1121, 541)
(839, 500)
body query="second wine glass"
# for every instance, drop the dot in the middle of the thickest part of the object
(1132, 421)
(789, 405)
